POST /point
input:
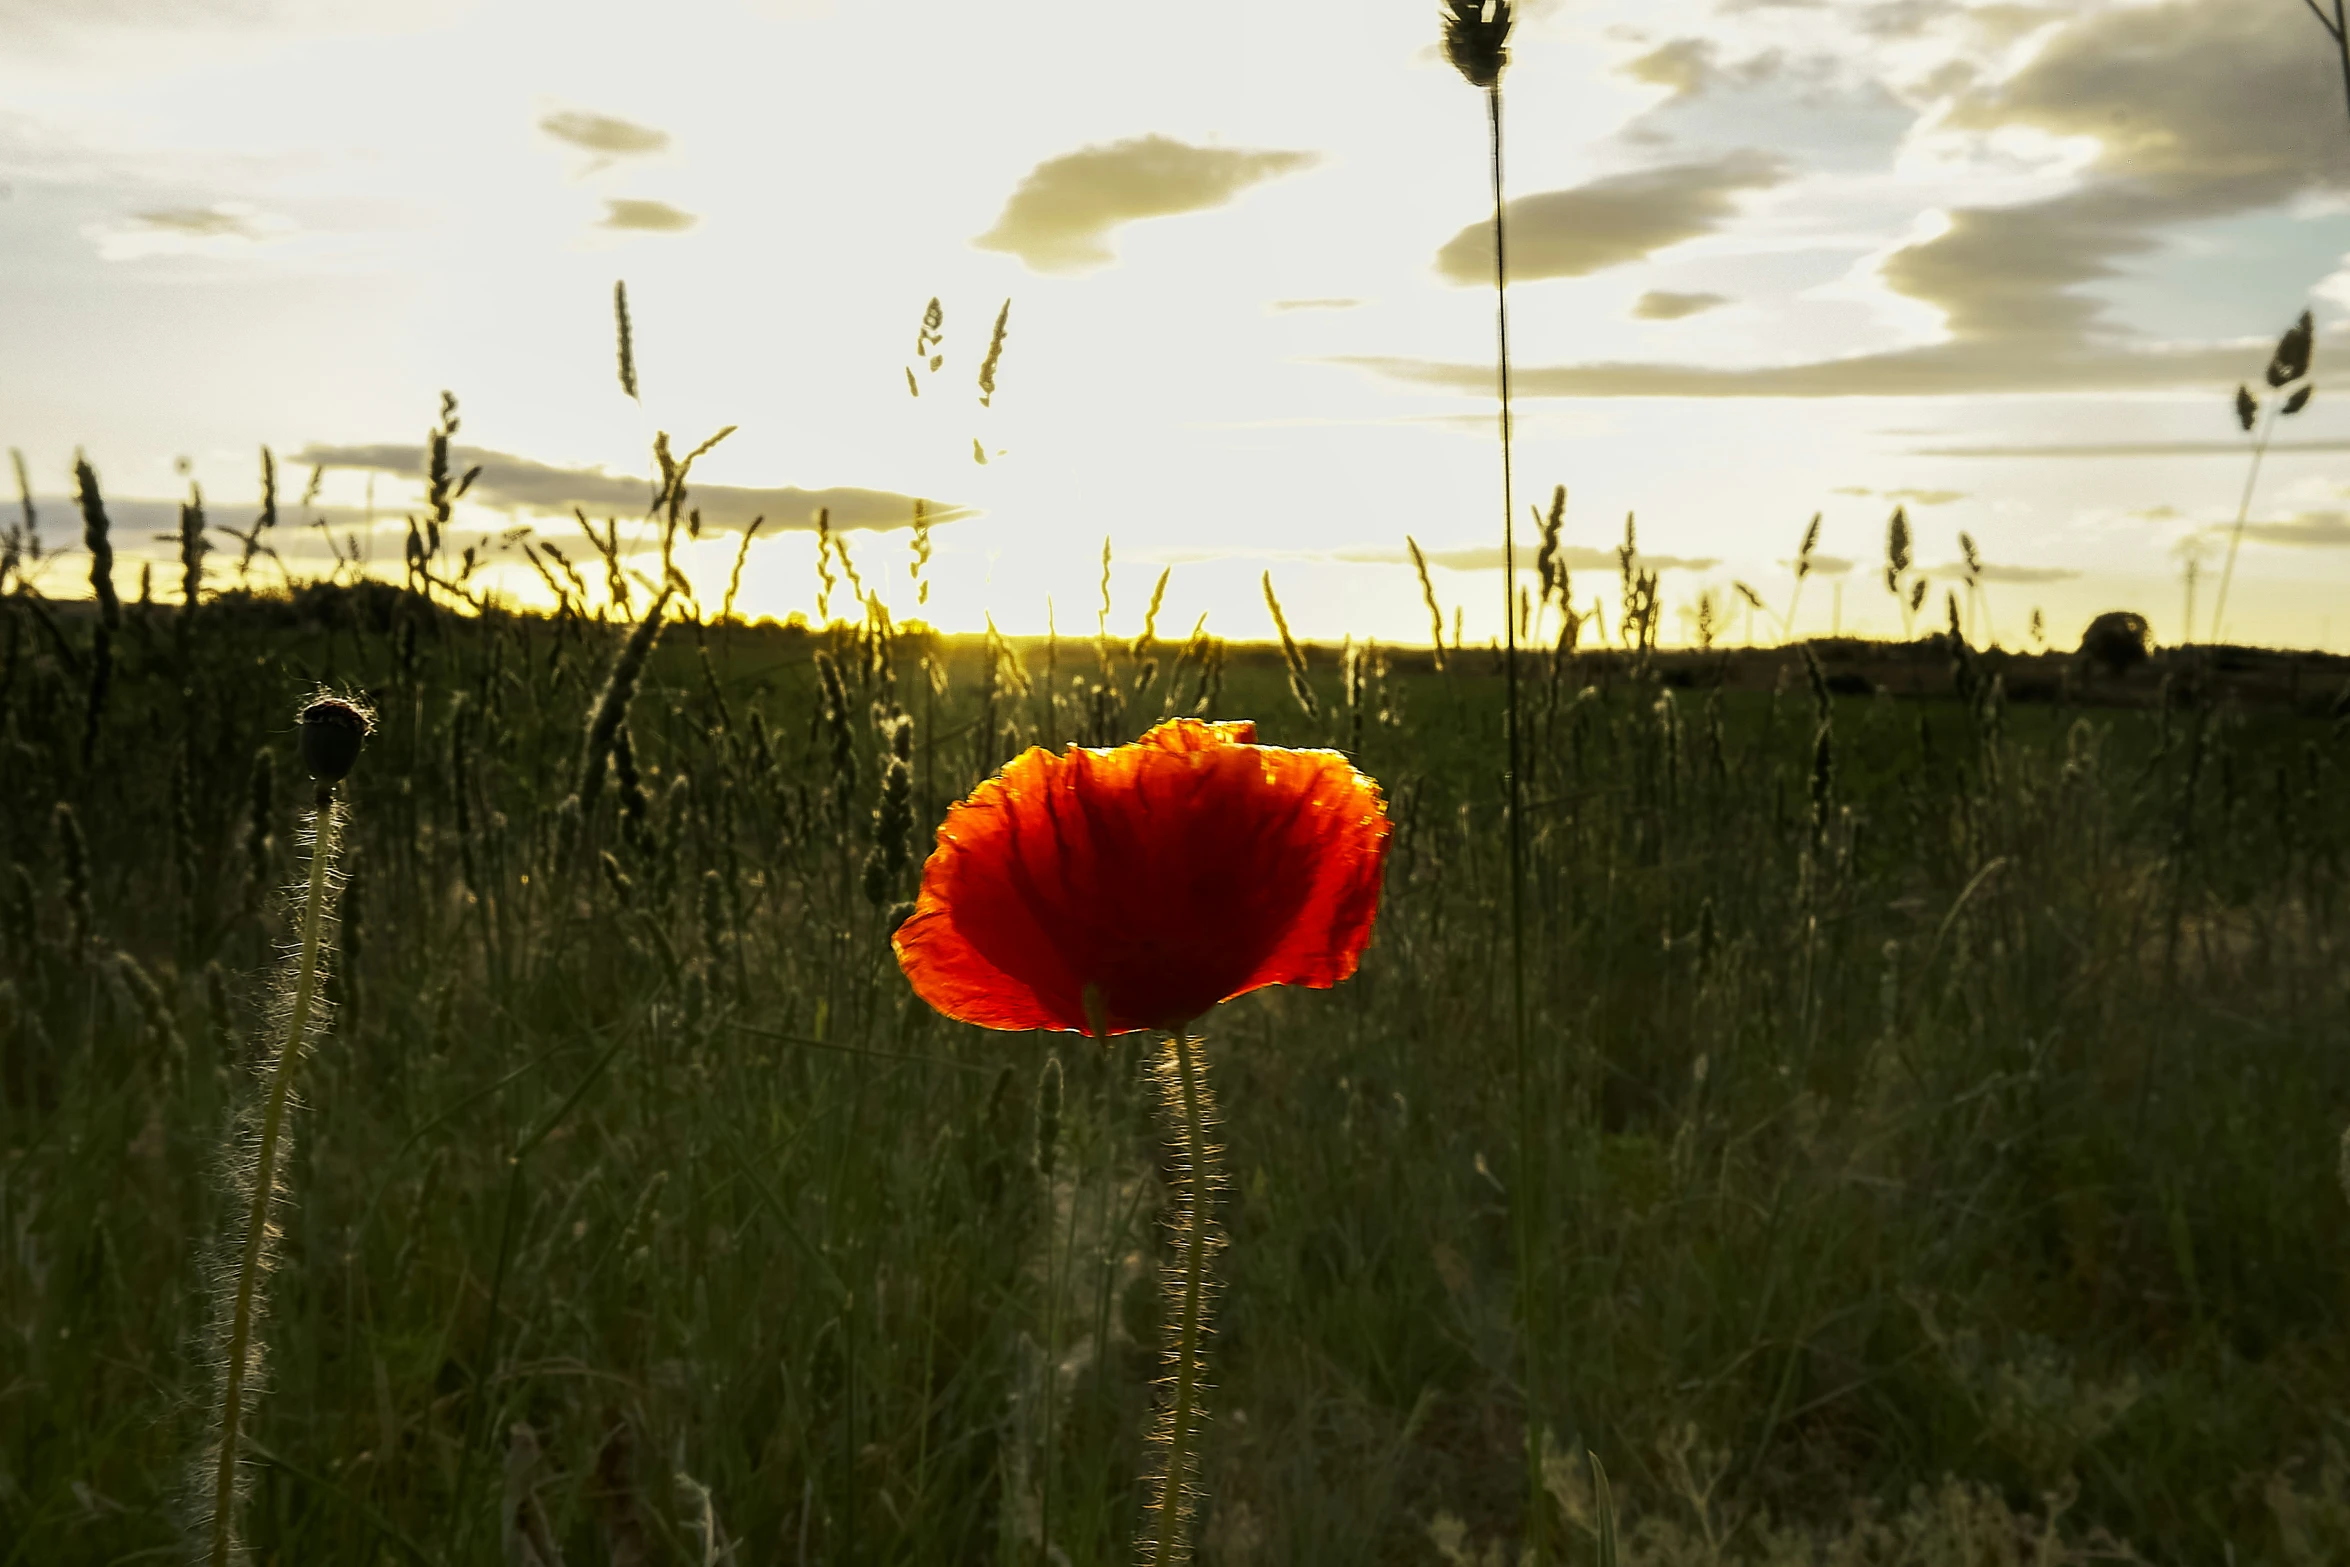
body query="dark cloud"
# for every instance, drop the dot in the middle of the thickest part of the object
(2201, 111)
(1575, 232)
(516, 483)
(645, 217)
(1061, 216)
(2193, 98)
(1664, 305)
(603, 135)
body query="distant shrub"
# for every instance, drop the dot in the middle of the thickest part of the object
(2118, 640)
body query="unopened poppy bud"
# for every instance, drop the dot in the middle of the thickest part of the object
(332, 732)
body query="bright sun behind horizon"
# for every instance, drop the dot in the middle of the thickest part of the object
(2000, 266)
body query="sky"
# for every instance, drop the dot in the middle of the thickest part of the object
(2003, 265)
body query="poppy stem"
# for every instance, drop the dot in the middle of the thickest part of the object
(239, 1363)
(1183, 1090)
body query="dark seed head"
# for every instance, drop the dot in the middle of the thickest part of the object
(2291, 360)
(332, 732)
(1476, 38)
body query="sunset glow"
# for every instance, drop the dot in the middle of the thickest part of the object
(2001, 266)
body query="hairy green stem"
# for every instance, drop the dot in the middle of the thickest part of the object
(257, 1216)
(1196, 1194)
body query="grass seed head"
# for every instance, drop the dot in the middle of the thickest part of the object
(2291, 360)
(1476, 39)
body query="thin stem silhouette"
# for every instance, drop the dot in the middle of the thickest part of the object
(1530, 1162)
(2219, 607)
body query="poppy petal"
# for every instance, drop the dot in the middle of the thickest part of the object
(1165, 876)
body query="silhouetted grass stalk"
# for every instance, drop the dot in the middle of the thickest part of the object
(2289, 393)
(2227, 574)
(1476, 40)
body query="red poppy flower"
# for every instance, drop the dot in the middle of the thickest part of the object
(1164, 876)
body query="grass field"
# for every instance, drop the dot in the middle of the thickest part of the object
(1940, 1101)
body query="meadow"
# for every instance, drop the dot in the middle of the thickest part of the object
(1938, 1101)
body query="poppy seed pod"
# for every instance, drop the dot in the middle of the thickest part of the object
(1476, 38)
(332, 732)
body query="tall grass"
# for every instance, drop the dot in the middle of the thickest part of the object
(656, 1168)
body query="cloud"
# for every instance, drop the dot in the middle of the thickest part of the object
(1686, 65)
(1281, 307)
(1487, 557)
(2200, 111)
(2117, 449)
(2329, 530)
(1905, 497)
(203, 222)
(514, 483)
(1955, 571)
(94, 24)
(1941, 370)
(1664, 305)
(604, 135)
(1061, 216)
(1623, 217)
(644, 217)
(222, 229)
